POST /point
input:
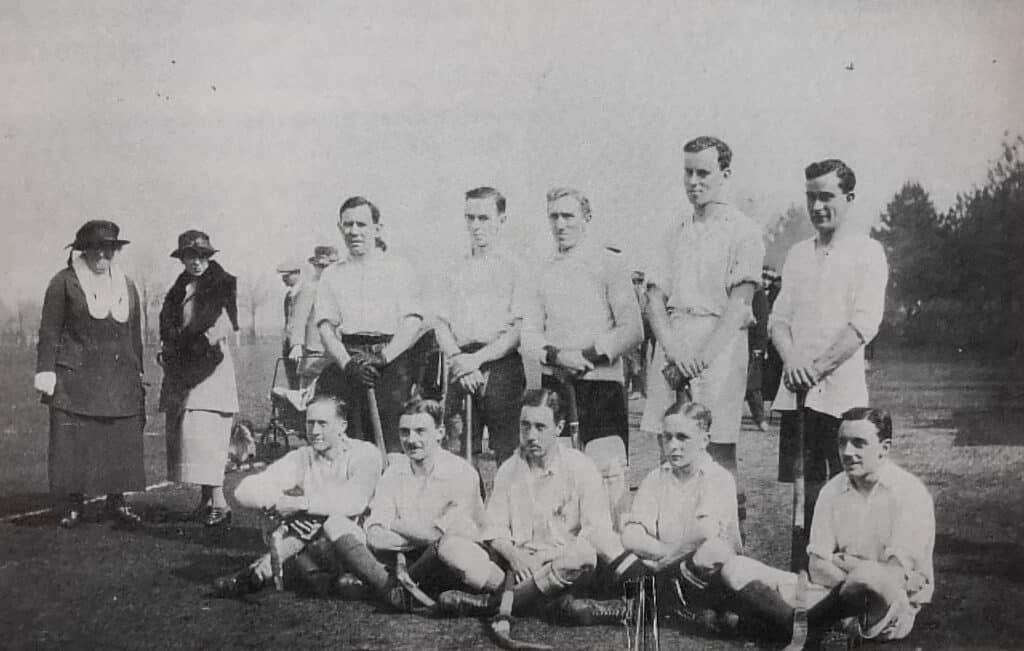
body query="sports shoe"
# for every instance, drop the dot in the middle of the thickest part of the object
(464, 604)
(71, 518)
(122, 514)
(217, 516)
(587, 612)
(395, 597)
(237, 585)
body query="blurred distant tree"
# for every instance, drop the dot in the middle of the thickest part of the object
(788, 228)
(253, 292)
(28, 313)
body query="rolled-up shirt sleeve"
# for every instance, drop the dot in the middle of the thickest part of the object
(822, 539)
(595, 516)
(644, 510)
(869, 294)
(384, 505)
(627, 328)
(263, 490)
(532, 339)
(325, 305)
(717, 508)
(407, 288)
(747, 258)
(913, 536)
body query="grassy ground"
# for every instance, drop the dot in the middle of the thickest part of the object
(958, 427)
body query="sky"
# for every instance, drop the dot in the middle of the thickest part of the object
(253, 121)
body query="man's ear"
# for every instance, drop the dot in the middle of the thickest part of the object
(559, 426)
(850, 196)
(727, 172)
(886, 446)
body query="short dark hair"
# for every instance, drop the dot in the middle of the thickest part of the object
(695, 411)
(426, 406)
(880, 418)
(554, 194)
(847, 179)
(340, 406)
(706, 142)
(487, 192)
(545, 398)
(355, 202)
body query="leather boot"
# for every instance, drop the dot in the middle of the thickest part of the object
(315, 573)
(588, 612)
(237, 585)
(457, 603)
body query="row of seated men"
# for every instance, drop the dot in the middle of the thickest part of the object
(547, 531)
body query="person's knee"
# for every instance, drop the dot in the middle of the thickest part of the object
(468, 560)
(578, 558)
(871, 577)
(337, 526)
(246, 492)
(739, 571)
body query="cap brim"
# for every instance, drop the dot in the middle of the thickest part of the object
(178, 253)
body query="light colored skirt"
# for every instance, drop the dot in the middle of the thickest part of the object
(720, 388)
(197, 449)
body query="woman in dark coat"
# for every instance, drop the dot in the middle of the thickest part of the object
(89, 372)
(199, 394)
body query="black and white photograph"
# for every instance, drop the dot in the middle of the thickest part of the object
(452, 324)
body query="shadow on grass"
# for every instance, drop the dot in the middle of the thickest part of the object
(979, 558)
(1002, 425)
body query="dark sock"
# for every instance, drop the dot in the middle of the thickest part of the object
(428, 568)
(524, 596)
(758, 600)
(357, 559)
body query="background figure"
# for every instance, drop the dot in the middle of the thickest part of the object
(199, 395)
(771, 281)
(757, 339)
(368, 312)
(307, 349)
(291, 276)
(89, 372)
(636, 361)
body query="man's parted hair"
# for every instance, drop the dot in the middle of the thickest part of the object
(487, 192)
(554, 194)
(847, 179)
(706, 142)
(695, 411)
(355, 202)
(340, 406)
(880, 418)
(545, 398)
(426, 406)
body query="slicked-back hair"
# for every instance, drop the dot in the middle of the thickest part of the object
(554, 194)
(355, 202)
(487, 192)
(695, 411)
(880, 418)
(426, 406)
(545, 398)
(698, 145)
(340, 406)
(847, 179)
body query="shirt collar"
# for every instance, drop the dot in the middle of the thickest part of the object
(343, 446)
(886, 476)
(444, 465)
(700, 465)
(555, 462)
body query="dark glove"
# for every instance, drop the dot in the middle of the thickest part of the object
(361, 371)
(376, 360)
(591, 355)
(674, 376)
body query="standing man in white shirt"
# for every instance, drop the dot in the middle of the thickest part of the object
(327, 483)
(830, 306)
(369, 315)
(581, 317)
(700, 291)
(479, 326)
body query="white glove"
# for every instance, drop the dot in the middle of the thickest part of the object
(46, 382)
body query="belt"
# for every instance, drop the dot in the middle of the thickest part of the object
(469, 349)
(365, 339)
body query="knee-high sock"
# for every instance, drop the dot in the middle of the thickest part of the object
(357, 559)
(622, 568)
(316, 566)
(428, 568)
(759, 601)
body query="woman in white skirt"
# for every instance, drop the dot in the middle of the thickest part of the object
(199, 394)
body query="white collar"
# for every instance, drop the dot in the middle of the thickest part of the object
(105, 294)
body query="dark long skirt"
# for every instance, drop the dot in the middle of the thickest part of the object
(93, 455)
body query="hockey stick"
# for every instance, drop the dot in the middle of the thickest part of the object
(378, 429)
(500, 625)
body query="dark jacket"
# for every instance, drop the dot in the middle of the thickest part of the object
(98, 362)
(188, 357)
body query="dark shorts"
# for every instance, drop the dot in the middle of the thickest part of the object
(497, 409)
(821, 451)
(601, 405)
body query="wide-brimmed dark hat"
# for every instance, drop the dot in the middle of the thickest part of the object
(324, 256)
(96, 232)
(195, 241)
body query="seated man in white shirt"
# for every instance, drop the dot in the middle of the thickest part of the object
(870, 551)
(548, 523)
(326, 484)
(424, 496)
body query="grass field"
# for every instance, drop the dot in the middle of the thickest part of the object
(959, 427)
